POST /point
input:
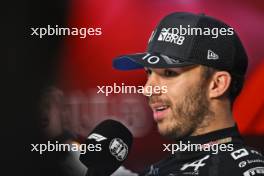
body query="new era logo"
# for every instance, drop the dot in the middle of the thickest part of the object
(211, 55)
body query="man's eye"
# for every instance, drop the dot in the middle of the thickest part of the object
(169, 73)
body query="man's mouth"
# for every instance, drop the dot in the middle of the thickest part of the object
(159, 111)
(161, 108)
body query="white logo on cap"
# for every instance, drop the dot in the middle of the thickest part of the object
(170, 35)
(151, 59)
(212, 55)
(156, 59)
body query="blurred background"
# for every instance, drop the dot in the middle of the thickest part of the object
(54, 79)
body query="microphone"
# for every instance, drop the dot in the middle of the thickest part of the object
(112, 142)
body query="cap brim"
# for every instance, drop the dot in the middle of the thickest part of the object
(141, 60)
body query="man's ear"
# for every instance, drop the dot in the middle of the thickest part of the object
(219, 84)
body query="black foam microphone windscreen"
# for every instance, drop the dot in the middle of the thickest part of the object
(107, 147)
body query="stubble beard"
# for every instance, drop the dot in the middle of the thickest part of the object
(188, 115)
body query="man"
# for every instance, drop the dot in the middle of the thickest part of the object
(52, 109)
(51, 112)
(203, 67)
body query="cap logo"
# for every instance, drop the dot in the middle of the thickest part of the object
(170, 35)
(151, 59)
(154, 59)
(211, 55)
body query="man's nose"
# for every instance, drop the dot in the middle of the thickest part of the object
(152, 86)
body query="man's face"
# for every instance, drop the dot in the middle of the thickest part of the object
(183, 109)
(51, 114)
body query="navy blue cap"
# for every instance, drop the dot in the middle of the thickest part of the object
(167, 48)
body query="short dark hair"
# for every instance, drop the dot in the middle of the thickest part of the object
(237, 83)
(235, 86)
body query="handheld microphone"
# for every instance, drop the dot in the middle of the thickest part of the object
(113, 142)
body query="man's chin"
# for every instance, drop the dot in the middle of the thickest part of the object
(165, 132)
(175, 133)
